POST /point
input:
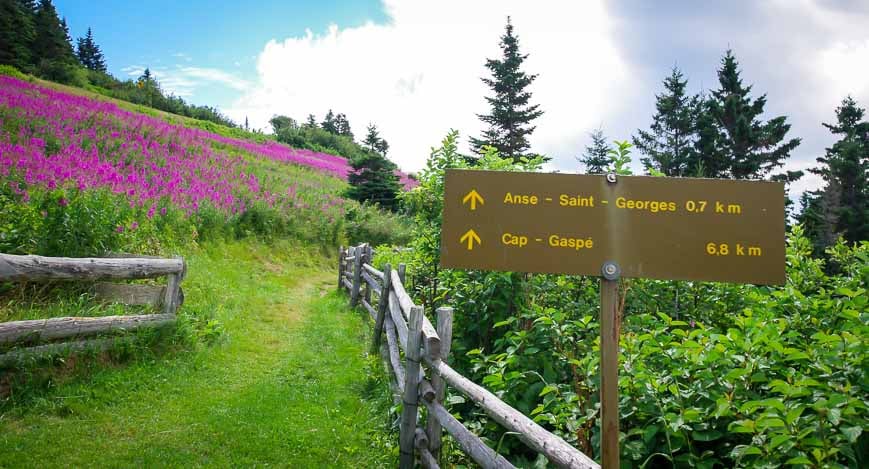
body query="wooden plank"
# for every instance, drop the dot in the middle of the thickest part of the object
(347, 284)
(445, 331)
(430, 336)
(61, 328)
(411, 390)
(357, 278)
(427, 460)
(471, 444)
(130, 294)
(369, 308)
(37, 268)
(372, 271)
(340, 265)
(373, 284)
(558, 451)
(394, 356)
(398, 320)
(382, 306)
(420, 439)
(21, 356)
(609, 372)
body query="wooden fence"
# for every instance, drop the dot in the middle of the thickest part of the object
(423, 374)
(39, 269)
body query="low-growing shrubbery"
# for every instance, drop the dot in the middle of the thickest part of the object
(712, 374)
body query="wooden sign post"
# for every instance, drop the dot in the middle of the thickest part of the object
(613, 227)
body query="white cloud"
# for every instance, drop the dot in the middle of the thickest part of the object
(183, 81)
(419, 75)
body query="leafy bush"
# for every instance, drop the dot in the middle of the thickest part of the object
(712, 375)
(370, 224)
(11, 71)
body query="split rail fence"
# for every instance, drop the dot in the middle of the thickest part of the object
(383, 295)
(42, 337)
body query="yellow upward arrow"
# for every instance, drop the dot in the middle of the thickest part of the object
(470, 237)
(473, 197)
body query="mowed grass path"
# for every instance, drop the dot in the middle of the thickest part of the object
(286, 386)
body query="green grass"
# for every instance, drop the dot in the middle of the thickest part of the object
(288, 382)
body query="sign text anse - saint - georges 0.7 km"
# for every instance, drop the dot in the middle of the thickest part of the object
(651, 227)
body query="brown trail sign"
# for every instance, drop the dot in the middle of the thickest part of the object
(651, 227)
(609, 226)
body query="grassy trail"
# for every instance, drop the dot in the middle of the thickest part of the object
(288, 384)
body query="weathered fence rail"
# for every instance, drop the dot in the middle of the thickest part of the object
(15, 268)
(407, 329)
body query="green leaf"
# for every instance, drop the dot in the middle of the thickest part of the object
(745, 450)
(710, 435)
(547, 389)
(793, 415)
(852, 433)
(778, 440)
(796, 355)
(799, 460)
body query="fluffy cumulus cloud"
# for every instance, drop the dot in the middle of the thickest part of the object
(599, 64)
(418, 75)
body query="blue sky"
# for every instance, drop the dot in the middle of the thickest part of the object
(413, 67)
(213, 35)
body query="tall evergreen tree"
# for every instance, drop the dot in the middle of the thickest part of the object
(16, 34)
(311, 122)
(374, 142)
(596, 157)
(51, 42)
(328, 123)
(844, 201)
(511, 115)
(89, 53)
(669, 143)
(342, 126)
(732, 140)
(373, 180)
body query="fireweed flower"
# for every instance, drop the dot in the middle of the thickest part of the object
(77, 142)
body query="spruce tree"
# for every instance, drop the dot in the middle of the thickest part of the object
(342, 126)
(596, 158)
(374, 142)
(51, 42)
(845, 169)
(732, 140)
(328, 123)
(16, 34)
(89, 53)
(373, 180)
(312, 122)
(511, 116)
(669, 143)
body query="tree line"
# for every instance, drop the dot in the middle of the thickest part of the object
(373, 178)
(714, 134)
(35, 39)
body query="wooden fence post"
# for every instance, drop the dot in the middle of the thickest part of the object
(411, 390)
(357, 276)
(340, 267)
(172, 298)
(366, 259)
(402, 272)
(609, 374)
(382, 306)
(445, 332)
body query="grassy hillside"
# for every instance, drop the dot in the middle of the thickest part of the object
(286, 380)
(239, 380)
